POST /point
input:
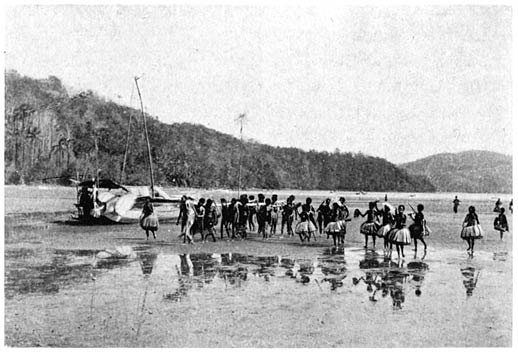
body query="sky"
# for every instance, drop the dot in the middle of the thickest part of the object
(400, 83)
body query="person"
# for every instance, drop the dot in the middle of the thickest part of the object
(182, 216)
(323, 214)
(261, 216)
(288, 211)
(268, 216)
(333, 228)
(200, 215)
(511, 206)
(210, 220)
(386, 224)
(232, 216)
(456, 203)
(241, 216)
(500, 223)
(343, 214)
(191, 220)
(148, 219)
(86, 200)
(418, 229)
(498, 205)
(369, 227)
(252, 210)
(274, 215)
(226, 219)
(306, 226)
(471, 229)
(399, 234)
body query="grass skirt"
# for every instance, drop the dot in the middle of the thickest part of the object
(399, 236)
(305, 227)
(369, 228)
(149, 222)
(335, 227)
(383, 231)
(472, 232)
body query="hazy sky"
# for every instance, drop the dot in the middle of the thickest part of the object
(399, 83)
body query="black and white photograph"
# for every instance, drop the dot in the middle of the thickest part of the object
(258, 175)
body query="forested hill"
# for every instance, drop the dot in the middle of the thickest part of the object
(471, 171)
(52, 135)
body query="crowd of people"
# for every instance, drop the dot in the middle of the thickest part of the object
(241, 215)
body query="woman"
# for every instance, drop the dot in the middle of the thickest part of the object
(288, 215)
(323, 215)
(500, 224)
(399, 234)
(333, 227)
(274, 215)
(369, 227)
(386, 224)
(418, 229)
(148, 219)
(306, 227)
(471, 229)
(191, 220)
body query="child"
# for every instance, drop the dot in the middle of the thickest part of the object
(399, 235)
(471, 229)
(274, 215)
(418, 230)
(500, 223)
(148, 219)
(369, 227)
(333, 228)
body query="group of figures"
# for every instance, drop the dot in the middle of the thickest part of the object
(471, 229)
(239, 216)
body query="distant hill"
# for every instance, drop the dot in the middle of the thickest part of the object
(51, 136)
(471, 171)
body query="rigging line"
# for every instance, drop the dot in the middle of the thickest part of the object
(123, 168)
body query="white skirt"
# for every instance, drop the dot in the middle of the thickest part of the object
(383, 231)
(305, 227)
(472, 232)
(399, 236)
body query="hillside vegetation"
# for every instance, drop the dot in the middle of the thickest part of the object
(471, 171)
(52, 136)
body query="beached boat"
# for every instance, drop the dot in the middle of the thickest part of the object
(121, 204)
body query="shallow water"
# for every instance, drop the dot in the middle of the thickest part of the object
(126, 302)
(69, 285)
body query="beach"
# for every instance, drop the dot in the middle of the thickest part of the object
(251, 293)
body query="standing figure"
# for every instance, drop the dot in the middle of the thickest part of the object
(399, 234)
(323, 214)
(456, 203)
(200, 215)
(343, 214)
(306, 226)
(500, 224)
(268, 217)
(333, 228)
(471, 229)
(252, 210)
(232, 216)
(226, 219)
(369, 227)
(261, 216)
(288, 211)
(210, 220)
(274, 215)
(386, 224)
(182, 216)
(418, 230)
(191, 220)
(498, 205)
(511, 206)
(148, 219)
(241, 217)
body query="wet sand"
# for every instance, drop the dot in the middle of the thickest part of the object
(252, 293)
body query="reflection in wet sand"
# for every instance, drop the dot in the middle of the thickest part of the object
(471, 276)
(382, 274)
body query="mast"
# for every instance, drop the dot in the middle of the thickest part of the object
(147, 139)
